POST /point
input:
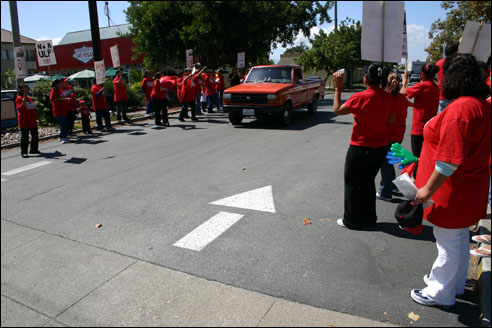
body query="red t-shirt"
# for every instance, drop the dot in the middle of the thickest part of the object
(26, 114)
(148, 85)
(371, 109)
(188, 91)
(396, 131)
(158, 91)
(71, 98)
(219, 82)
(425, 105)
(459, 135)
(85, 112)
(198, 84)
(440, 77)
(98, 103)
(210, 86)
(119, 89)
(59, 106)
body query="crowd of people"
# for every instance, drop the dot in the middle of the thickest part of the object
(450, 138)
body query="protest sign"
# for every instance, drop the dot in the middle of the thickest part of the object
(476, 40)
(115, 55)
(241, 59)
(100, 71)
(45, 53)
(19, 63)
(404, 48)
(382, 26)
(189, 58)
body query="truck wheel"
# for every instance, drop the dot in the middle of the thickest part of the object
(286, 114)
(235, 118)
(313, 106)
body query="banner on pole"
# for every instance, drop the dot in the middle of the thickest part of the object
(241, 59)
(404, 48)
(115, 55)
(45, 53)
(20, 63)
(373, 34)
(189, 58)
(100, 71)
(476, 40)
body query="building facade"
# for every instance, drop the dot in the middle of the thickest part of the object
(8, 52)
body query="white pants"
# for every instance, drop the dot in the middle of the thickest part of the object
(449, 271)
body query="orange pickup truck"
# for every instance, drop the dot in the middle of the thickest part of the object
(273, 90)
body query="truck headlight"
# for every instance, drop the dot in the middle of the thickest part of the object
(227, 96)
(271, 97)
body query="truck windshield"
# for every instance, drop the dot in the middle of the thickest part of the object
(269, 75)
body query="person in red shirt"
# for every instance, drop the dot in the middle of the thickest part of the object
(396, 131)
(101, 108)
(426, 94)
(120, 96)
(186, 95)
(71, 98)
(220, 87)
(450, 51)
(85, 114)
(147, 86)
(26, 117)
(197, 85)
(210, 91)
(159, 101)
(372, 110)
(59, 103)
(453, 172)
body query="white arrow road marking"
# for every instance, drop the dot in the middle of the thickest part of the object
(25, 168)
(260, 199)
(203, 235)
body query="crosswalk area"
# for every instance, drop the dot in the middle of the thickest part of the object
(24, 168)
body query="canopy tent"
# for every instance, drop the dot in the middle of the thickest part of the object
(86, 74)
(58, 77)
(36, 77)
(112, 72)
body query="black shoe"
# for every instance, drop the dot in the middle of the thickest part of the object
(34, 152)
(167, 124)
(211, 111)
(24, 155)
(181, 120)
(126, 119)
(194, 119)
(186, 116)
(159, 123)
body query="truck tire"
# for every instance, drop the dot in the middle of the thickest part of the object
(235, 118)
(286, 114)
(313, 106)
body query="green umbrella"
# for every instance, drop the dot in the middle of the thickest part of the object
(57, 77)
(112, 72)
(36, 77)
(83, 75)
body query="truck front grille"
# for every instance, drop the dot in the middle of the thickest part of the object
(244, 98)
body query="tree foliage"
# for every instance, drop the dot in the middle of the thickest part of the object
(451, 29)
(330, 52)
(218, 30)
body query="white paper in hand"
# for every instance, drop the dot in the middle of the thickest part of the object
(408, 188)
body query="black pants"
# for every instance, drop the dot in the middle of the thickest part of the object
(160, 108)
(25, 139)
(86, 125)
(417, 142)
(71, 120)
(121, 110)
(361, 167)
(184, 110)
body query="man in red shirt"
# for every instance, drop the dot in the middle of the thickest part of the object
(450, 51)
(26, 118)
(219, 86)
(120, 96)
(70, 96)
(147, 86)
(100, 107)
(59, 104)
(210, 91)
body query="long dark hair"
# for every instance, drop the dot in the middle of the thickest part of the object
(20, 90)
(376, 75)
(429, 70)
(464, 78)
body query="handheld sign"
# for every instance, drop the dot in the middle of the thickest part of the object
(476, 40)
(45, 53)
(382, 26)
(189, 58)
(19, 63)
(100, 71)
(115, 55)
(241, 59)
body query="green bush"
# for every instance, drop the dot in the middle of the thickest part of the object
(83, 94)
(135, 95)
(41, 95)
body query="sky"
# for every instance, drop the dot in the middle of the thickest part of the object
(51, 20)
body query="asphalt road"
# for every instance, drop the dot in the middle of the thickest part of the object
(150, 187)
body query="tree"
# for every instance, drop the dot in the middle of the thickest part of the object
(451, 29)
(218, 30)
(330, 52)
(296, 49)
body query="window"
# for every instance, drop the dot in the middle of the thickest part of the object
(11, 54)
(5, 54)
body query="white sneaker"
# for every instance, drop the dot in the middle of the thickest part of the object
(340, 223)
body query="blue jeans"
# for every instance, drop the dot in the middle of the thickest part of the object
(198, 98)
(443, 104)
(212, 100)
(100, 114)
(121, 110)
(63, 121)
(148, 107)
(220, 94)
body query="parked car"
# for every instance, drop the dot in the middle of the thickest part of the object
(414, 78)
(273, 90)
(9, 111)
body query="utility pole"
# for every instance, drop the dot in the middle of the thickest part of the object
(14, 20)
(96, 39)
(336, 17)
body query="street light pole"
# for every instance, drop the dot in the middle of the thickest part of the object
(96, 39)
(14, 20)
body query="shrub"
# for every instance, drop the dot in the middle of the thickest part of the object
(41, 95)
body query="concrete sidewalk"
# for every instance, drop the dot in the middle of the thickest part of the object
(51, 281)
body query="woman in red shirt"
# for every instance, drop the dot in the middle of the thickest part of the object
(372, 111)
(220, 87)
(59, 103)
(454, 173)
(426, 103)
(120, 97)
(147, 86)
(159, 102)
(26, 117)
